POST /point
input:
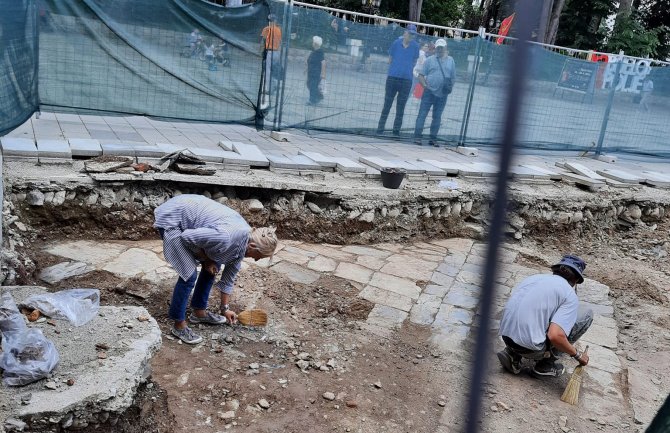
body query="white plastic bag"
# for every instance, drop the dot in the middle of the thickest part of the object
(27, 356)
(76, 305)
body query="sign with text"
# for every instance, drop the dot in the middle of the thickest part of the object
(578, 76)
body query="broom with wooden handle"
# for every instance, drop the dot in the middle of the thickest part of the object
(571, 393)
(253, 317)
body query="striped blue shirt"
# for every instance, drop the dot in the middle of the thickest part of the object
(192, 223)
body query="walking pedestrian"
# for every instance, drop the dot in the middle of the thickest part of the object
(316, 72)
(437, 77)
(270, 44)
(403, 55)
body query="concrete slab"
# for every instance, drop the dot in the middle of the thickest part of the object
(407, 266)
(208, 155)
(479, 169)
(386, 297)
(583, 170)
(354, 272)
(346, 165)
(94, 253)
(117, 149)
(429, 168)
(366, 251)
(103, 388)
(656, 179)
(53, 149)
(85, 147)
(149, 151)
(396, 285)
(21, 147)
(296, 273)
(324, 161)
(61, 271)
(425, 309)
(386, 317)
(553, 175)
(449, 167)
(620, 175)
(592, 184)
(252, 153)
(134, 262)
(322, 264)
(381, 163)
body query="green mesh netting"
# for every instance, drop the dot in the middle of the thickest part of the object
(139, 57)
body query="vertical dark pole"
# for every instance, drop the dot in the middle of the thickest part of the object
(471, 89)
(610, 100)
(280, 102)
(527, 13)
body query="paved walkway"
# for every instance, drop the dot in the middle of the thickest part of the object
(144, 131)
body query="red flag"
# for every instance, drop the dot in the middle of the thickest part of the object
(504, 28)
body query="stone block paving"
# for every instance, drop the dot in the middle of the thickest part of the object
(440, 291)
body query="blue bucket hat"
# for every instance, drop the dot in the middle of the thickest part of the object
(575, 263)
(411, 29)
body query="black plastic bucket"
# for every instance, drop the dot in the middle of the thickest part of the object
(392, 177)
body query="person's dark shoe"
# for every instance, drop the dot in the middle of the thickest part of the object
(418, 142)
(508, 361)
(433, 143)
(546, 368)
(396, 133)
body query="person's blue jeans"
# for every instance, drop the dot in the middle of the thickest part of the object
(394, 86)
(203, 285)
(428, 101)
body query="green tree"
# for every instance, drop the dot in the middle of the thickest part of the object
(655, 14)
(582, 23)
(630, 35)
(443, 12)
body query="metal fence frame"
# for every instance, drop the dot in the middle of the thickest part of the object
(458, 33)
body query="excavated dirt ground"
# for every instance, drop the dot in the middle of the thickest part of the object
(381, 384)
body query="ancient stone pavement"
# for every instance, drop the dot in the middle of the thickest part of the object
(434, 284)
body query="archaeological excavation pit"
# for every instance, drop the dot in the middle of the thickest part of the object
(372, 298)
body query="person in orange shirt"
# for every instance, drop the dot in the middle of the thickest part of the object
(270, 44)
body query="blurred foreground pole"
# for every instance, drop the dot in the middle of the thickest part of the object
(528, 14)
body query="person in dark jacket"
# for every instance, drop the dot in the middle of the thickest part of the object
(316, 72)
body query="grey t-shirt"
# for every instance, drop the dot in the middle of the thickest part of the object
(536, 302)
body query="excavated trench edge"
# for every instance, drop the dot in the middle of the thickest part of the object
(124, 210)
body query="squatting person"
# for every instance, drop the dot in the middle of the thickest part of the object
(195, 230)
(543, 317)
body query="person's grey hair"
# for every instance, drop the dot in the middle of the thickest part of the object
(316, 40)
(265, 240)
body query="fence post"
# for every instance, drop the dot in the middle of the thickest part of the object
(610, 99)
(471, 89)
(279, 107)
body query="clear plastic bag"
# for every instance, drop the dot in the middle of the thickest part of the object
(76, 305)
(11, 320)
(27, 356)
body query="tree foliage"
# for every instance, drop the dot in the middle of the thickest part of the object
(655, 14)
(630, 35)
(582, 23)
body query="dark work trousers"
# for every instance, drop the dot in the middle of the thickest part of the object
(428, 101)
(394, 86)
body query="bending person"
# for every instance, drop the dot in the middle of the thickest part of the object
(196, 230)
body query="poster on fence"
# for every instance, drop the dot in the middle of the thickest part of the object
(578, 76)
